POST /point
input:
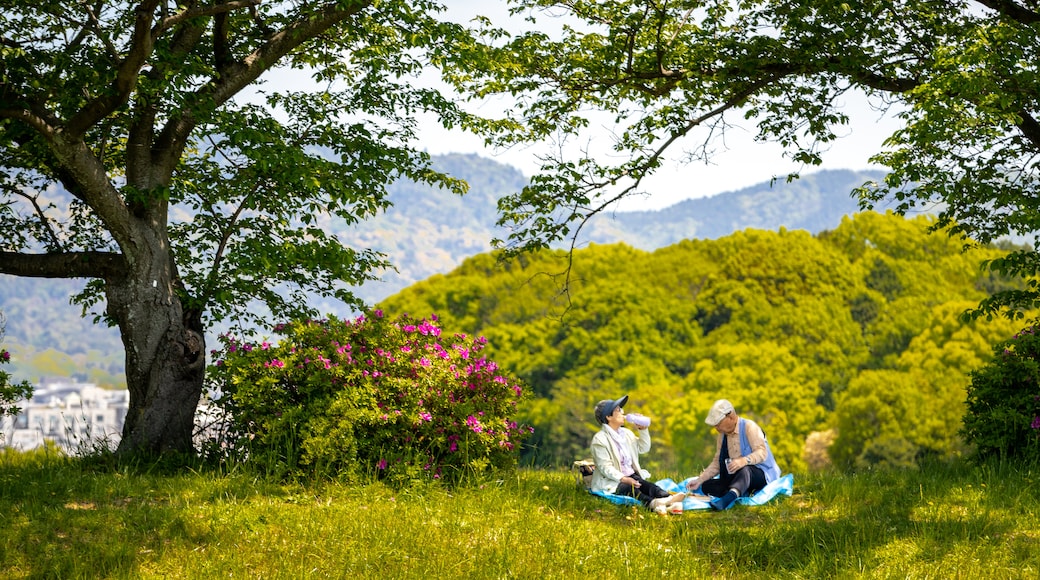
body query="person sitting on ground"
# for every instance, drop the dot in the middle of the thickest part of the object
(615, 451)
(743, 460)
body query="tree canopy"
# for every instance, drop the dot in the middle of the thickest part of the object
(133, 156)
(675, 77)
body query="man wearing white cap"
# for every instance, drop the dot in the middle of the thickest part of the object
(615, 451)
(743, 460)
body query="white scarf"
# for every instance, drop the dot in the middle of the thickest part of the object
(621, 444)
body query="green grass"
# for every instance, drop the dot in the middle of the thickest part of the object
(61, 519)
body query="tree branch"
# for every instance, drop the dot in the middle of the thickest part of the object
(105, 265)
(1029, 127)
(235, 77)
(1012, 10)
(141, 45)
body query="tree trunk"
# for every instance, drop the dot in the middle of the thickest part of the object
(165, 356)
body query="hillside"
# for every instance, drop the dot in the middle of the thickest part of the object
(851, 336)
(427, 232)
(815, 202)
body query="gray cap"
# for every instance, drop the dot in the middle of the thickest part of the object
(718, 412)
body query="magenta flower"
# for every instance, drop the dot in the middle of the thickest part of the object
(382, 464)
(425, 416)
(1036, 422)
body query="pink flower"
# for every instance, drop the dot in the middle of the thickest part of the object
(382, 464)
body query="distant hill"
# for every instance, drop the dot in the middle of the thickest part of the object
(815, 202)
(430, 231)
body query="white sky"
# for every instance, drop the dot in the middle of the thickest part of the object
(742, 163)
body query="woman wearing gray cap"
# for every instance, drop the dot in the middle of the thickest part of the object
(743, 460)
(615, 451)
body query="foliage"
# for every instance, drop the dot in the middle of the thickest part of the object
(136, 155)
(912, 410)
(370, 396)
(10, 393)
(1003, 417)
(66, 520)
(771, 320)
(672, 79)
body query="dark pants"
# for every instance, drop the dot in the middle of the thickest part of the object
(747, 480)
(645, 493)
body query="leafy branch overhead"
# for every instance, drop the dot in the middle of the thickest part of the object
(671, 79)
(143, 151)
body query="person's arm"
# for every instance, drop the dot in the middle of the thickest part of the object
(757, 439)
(643, 442)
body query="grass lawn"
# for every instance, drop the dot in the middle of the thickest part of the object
(62, 519)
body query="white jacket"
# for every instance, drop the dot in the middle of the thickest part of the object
(608, 474)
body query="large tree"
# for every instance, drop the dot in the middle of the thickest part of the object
(673, 76)
(134, 157)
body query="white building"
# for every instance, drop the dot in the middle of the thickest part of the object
(75, 416)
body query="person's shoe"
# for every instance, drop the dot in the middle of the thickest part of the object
(658, 505)
(674, 498)
(725, 502)
(676, 509)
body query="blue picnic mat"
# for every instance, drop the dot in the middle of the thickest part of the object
(781, 486)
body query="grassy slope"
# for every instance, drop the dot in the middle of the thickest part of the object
(58, 520)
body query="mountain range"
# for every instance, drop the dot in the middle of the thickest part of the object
(430, 231)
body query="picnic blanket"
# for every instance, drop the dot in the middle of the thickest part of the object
(782, 486)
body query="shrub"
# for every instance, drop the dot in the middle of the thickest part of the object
(391, 398)
(10, 393)
(1003, 415)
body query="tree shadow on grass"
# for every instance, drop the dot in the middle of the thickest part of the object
(59, 521)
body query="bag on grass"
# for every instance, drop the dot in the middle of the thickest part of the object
(583, 469)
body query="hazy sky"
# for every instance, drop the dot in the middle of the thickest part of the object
(742, 163)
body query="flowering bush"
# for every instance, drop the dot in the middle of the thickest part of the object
(391, 398)
(1003, 415)
(10, 393)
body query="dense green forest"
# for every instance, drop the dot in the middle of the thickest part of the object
(847, 346)
(425, 232)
